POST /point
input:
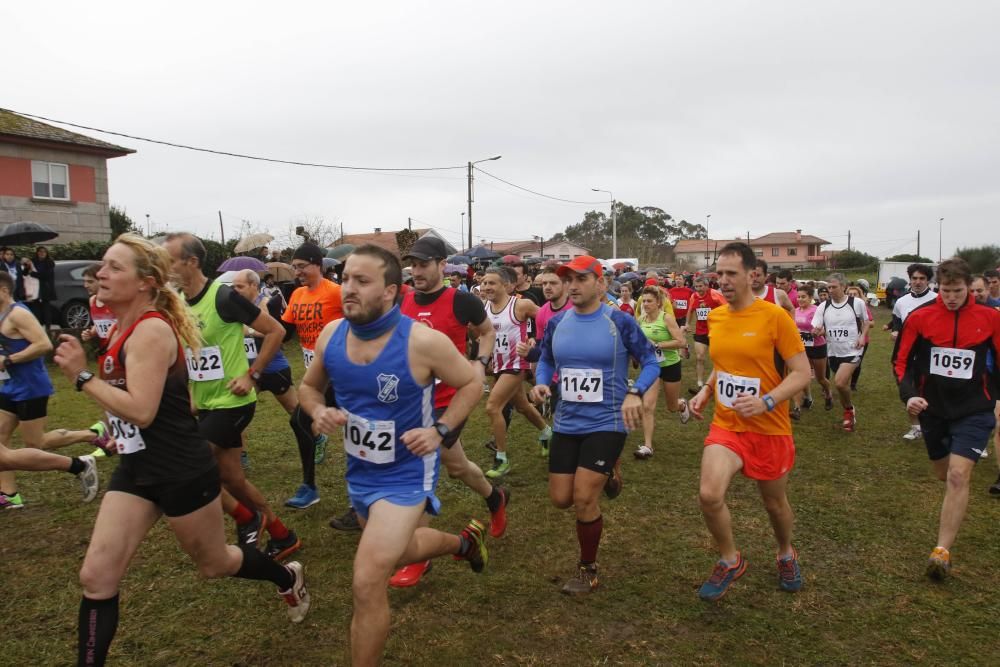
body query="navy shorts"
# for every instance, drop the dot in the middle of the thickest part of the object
(597, 451)
(967, 436)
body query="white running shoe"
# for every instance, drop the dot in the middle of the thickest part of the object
(913, 434)
(643, 453)
(685, 412)
(296, 597)
(89, 482)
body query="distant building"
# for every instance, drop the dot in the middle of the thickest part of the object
(697, 253)
(55, 177)
(781, 250)
(559, 250)
(387, 240)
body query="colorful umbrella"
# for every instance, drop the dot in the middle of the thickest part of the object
(242, 263)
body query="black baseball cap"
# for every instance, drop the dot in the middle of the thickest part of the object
(427, 248)
(310, 252)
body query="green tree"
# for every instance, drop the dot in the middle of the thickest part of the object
(980, 258)
(405, 240)
(646, 232)
(908, 257)
(852, 259)
(121, 223)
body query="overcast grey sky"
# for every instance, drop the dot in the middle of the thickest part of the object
(879, 117)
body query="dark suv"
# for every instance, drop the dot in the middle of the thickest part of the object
(71, 309)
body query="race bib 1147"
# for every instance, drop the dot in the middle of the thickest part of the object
(581, 385)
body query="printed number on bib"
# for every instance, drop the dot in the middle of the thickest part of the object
(4, 375)
(103, 327)
(702, 313)
(659, 354)
(502, 345)
(372, 441)
(680, 304)
(838, 334)
(581, 385)
(729, 387)
(207, 365)
(128, 439)
(807, 339)
(307, 357)
(250, 347)
(952, 362)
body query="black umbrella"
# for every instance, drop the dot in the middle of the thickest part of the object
(481, 252)
(26, 233)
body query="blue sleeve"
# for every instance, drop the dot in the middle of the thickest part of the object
(546, 362)
(640, 348)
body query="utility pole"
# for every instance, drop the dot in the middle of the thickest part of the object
(614, 222)
(495, 157)
(940, 223)
(918, 243)
(409, 224)
(148, 233)
(222, 231)
(848, 239)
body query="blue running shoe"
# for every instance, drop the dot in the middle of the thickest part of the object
(722, 578)
(789, 575)
(305, 496)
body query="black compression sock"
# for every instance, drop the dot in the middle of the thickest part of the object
(258, 566)
(76, 466)
(98, 622)
(302, 428)
(494, 499)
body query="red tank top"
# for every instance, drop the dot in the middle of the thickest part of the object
(103, 320)
(768, 294)
(438, 315)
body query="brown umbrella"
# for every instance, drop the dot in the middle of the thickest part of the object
(253, 241)
(281, 271)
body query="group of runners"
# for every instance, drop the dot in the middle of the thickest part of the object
(393, 372)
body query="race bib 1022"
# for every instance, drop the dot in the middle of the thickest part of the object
(207, 365)
(702, 313)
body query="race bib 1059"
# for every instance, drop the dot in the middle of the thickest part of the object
(952, 362)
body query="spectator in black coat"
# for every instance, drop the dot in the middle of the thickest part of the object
(45, 272)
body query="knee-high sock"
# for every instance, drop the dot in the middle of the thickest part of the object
(98, 622)
(301, 424)
(589, 535)
(258, 566)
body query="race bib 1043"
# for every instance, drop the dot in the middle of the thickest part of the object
(128, 438)
(730, 387)
(581, 385)
(207, 365)
(952, 362)
(371, 441)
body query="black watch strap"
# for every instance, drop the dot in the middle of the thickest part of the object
(82, 378)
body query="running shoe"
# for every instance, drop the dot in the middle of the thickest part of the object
(994, 488)
(544, 437)
(939, 564)
(585, 581)
(305, 496)
(914, 433)
(296, 597)
(409, 575)
(320, 455)
(244, 460)
(850, 420)
(500, 468)
(89, 482)
(613, 487)
(347, 522)
(795, 414)
(14, 502)
(102, 439)
(643, 453)
(807, 403)
(486, 387)
(498, 519)
(248, 534)
(685, 412)
(279, 550)
(828, 402)
(722, 578)
(476, 553)
(789, 574)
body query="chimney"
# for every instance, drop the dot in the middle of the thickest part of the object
(798, 235)
(378, 230)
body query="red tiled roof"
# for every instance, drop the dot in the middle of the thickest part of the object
(19, 129)
(385, 240)
(699, 245)
(786, 238)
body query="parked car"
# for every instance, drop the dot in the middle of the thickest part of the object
(71, 309)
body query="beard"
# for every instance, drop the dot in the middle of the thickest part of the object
(366, 314)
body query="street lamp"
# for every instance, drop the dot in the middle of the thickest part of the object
(940, 222)
(614, 223)
(495, 157)
(148, 233)
(707, 240)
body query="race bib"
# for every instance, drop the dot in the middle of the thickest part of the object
(207, 365)
(307, 357)
(4, 375)
(952, 362)
(502, 345)
(659, 354)
(702, 313)
(103, 327)
(680, 304)
(807, 338)
(838, 334)
(581, 385)
(128, 439)
(371, 441)
(729, 387)
(250, 347)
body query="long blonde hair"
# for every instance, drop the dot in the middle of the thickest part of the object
(153, 261)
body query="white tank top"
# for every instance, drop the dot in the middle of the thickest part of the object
(509, 333)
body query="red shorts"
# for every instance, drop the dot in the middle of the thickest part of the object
(765, 457)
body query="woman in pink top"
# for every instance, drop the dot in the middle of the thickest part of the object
(815, 351)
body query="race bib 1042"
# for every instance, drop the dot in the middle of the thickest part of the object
(952, 362)
(128, 438)
(702, 313)
(207, 365)
(581, 385)
(307, 357)
(730, 387)
(370, 440)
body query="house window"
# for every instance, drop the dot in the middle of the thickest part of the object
(525, 255)
(775, 252)
(49, 180)
(792, 252)
(563, 256)
(759, 253)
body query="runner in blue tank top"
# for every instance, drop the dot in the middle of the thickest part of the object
(596, 408)
(385, 368)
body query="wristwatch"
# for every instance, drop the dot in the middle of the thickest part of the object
(768, 402)
(484, 360)
(254, 375)
(82, 378)
(634, 391)
(443, 431)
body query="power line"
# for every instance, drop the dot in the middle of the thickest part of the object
(230, 154)
(540, 194)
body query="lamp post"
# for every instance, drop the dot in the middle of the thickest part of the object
(614, 223)
(461, 230)
(541, 245)
(940, 223)
(707, 240)
(148, 233)
(495, 157)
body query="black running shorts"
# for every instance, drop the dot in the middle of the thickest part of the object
(277, 383)
(671, 373)
(836, 362)
(224, 426)
(26, 410)
(701, 338)
(816, 352)
(173, 498)
(596, 451)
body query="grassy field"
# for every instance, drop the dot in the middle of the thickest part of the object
(866, 516)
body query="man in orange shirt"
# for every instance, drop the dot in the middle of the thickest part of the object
(754, 343)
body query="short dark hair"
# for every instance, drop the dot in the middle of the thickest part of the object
(760, 263)
(191, 246)
(991, 273)
(954, 270)
(7, 280)
(785, 274)
(5, 248)
(744, 252)
(920, 268)
(808, 290)
(91, 270)
(393, 269)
